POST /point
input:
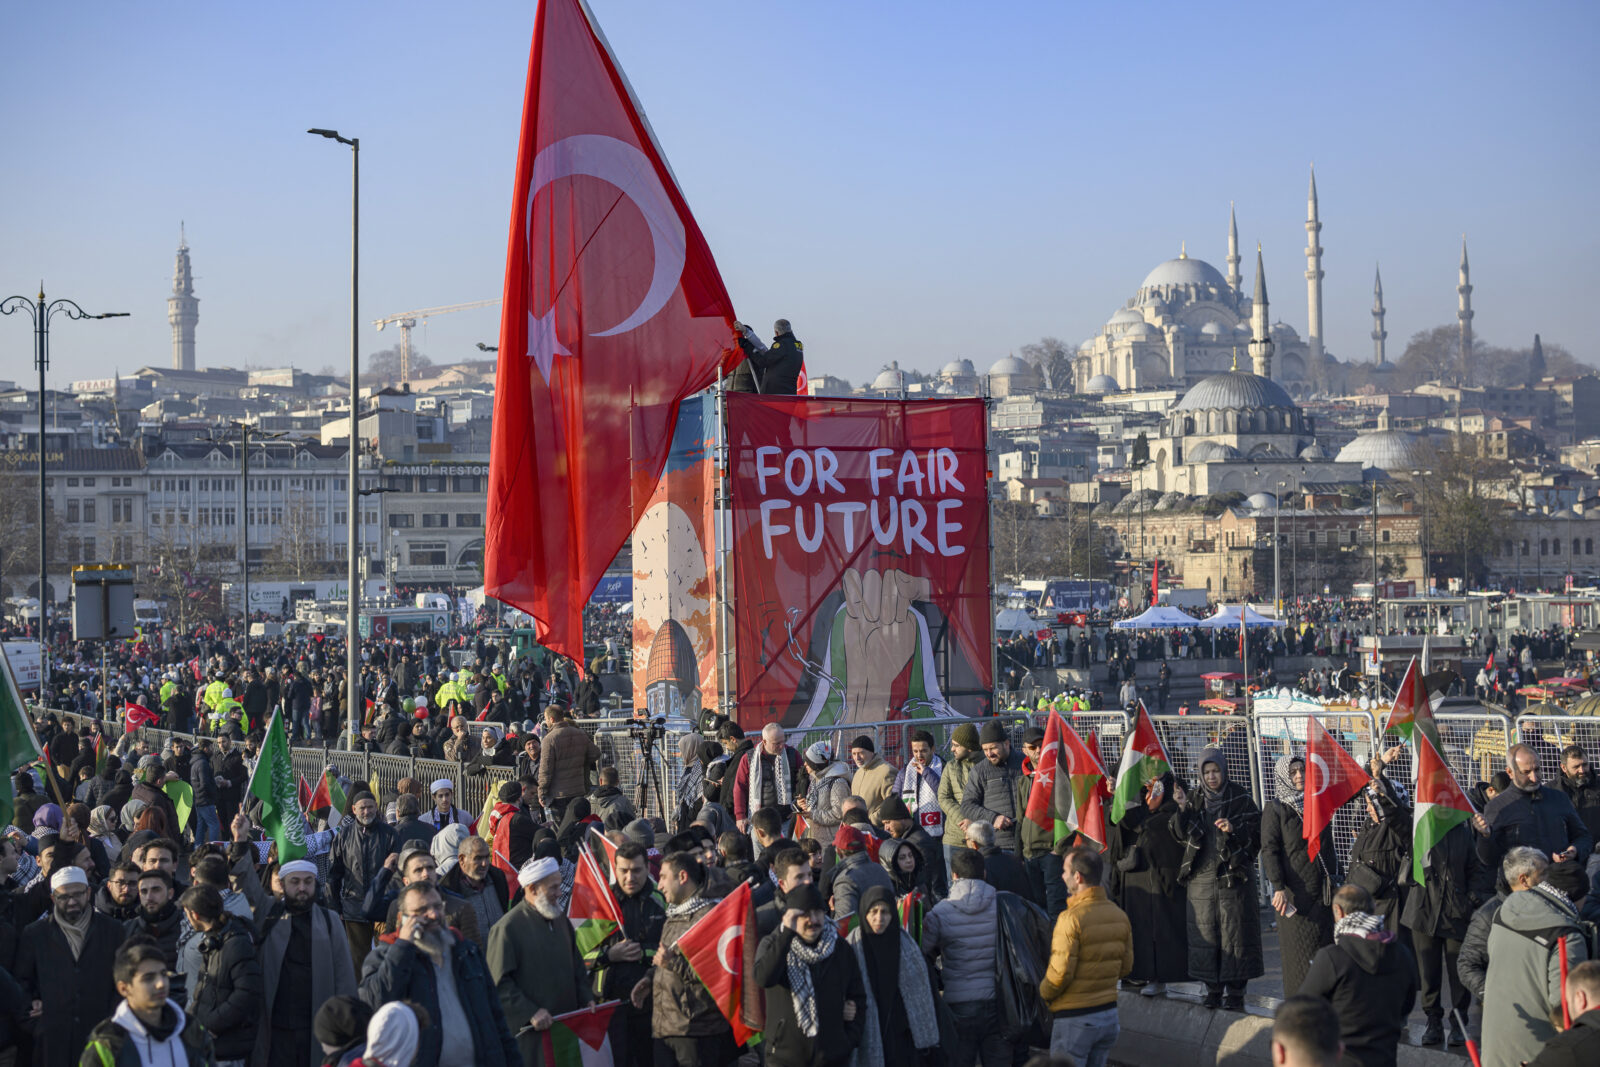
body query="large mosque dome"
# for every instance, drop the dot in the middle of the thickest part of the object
(1184, 271)
(1235, 389)
(1012, 365)
(1389, 450)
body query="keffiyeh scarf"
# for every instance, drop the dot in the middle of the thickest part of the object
(1287, 793)
(802, 957)
(780, 767)
(1359, 924)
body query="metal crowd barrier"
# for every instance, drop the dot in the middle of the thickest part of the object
(1283, 733)
(1547, 735)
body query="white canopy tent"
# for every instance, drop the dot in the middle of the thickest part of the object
(1159, 617)
(1014, 620)
(1227, 618)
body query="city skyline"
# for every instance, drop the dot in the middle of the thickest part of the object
(842, 185)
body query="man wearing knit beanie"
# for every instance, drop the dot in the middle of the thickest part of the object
(874, 778)
(991, 792)
(964, 755)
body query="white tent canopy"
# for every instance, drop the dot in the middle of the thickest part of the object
(1227, 618)
(1159, 617)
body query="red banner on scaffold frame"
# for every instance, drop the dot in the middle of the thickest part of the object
(860, 559)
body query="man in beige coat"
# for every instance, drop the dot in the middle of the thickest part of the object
(874, 778)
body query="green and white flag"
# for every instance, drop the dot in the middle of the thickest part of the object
(18, 746)
(274, 784)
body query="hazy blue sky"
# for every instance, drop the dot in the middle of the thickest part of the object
(912, 181)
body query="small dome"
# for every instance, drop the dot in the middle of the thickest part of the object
(1260, 501)
(1013, 365)
(1389, 450)
(952, 369)
(1170, 500)
(1185, 271)
(1102, 383)
(1235, 389)
(1087, 346)
(1213, 329)
(890, 378)
(946, 390)
(1142, 330)
(1124, 317)
(1212, 452)
(1565, 513)
(1314, 451)
(1285, 331)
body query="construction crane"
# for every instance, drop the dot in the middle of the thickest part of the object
(407, 319)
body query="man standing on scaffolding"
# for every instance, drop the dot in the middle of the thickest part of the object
(774, 371)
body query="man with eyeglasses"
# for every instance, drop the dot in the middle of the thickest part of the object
(119, 897)
(65, 961)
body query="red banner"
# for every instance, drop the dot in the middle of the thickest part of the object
(861, 559)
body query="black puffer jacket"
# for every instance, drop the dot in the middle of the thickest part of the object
(228, 995)
(1371, 981)
(834, 980)
(354, 861)
(165, 929)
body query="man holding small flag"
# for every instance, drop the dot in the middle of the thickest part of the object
(690, 1007)
(535, 962)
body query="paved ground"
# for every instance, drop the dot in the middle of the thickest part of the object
(1263, 994)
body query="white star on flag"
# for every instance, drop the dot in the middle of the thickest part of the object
(543, 345)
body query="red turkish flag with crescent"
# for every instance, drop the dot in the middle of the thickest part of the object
(721, 950)
(1332, 777)
(613, 313)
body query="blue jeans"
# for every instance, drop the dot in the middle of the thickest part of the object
(1086, 1038)
(978, 1034)
(206, 825)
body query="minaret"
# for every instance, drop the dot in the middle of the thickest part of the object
(1233, 252)
(1314, 284)
(183, 308)
(1260, 336)
(1464, 312)
(1379, 334)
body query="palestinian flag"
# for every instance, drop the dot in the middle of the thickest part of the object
(1418, 697)
(592, 909)
(1440, 806)
(912, 908)
(18, 745)
(1085, 790)
(1144, 759)
(101, 751)
(305, 794)
(581, 1038)
(329, 795)
(721, 950)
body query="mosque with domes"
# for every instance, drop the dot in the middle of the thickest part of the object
(1187, 321)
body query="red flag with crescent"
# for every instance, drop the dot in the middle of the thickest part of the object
(721, 950)
(1332, 777)
(614, 312)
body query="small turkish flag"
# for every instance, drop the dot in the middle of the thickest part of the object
(1332, 777)
(721, 950)
(614, 312)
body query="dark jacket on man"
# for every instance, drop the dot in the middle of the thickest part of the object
(164, 928)
(304, 974)
(1543, 818)
(76, 997)
(203, 779)
(680, 1006)
(1585, 796)
(834, 980)
(354, 861)
(227, 996)
(535, 965)
(114, 1044)
(1371, 981)
(565, 759)
(992, 791)
(1006, 873)
(396, 970)
(1577, 1047)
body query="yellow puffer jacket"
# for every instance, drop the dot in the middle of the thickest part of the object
(1091, 950)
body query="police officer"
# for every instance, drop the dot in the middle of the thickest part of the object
(774, 371)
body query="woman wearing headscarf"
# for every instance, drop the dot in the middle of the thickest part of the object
(907, 869)
(1381, 856)
(901, 1021)
(1302, 884)
(1150, 856)
(446, 846)
(1220, 829)
(103, 828)
(691, 783)
(392, 1037)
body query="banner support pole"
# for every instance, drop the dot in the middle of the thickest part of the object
(988, 502)
(721, 551)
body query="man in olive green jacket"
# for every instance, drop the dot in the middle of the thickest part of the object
(964, 755)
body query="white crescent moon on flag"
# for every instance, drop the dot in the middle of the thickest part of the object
(1325, 777)
(630, 170)
(727, 938)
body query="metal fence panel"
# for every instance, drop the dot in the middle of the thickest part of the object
(1547, 735)
(1475, 745)
(1283, 733)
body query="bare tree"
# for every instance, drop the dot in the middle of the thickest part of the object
(1054, 358)
(383, 366)
(19, 534)
(301, 548)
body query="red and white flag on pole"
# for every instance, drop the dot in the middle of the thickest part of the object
(1332, 777)
(614, 312)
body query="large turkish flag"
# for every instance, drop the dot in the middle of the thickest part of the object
(614, 312)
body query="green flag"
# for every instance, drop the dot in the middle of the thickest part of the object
(182, 794)
(18, 746)
(273, 783)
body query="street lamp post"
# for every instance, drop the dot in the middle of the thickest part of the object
(243, 429)
(1423, 536)
(353, 593)
(42, 312)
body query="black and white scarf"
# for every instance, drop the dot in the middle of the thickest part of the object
(785, 782)
(1359, 924)
(802, 957)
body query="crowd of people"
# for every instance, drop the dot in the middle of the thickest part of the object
(904, 914)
